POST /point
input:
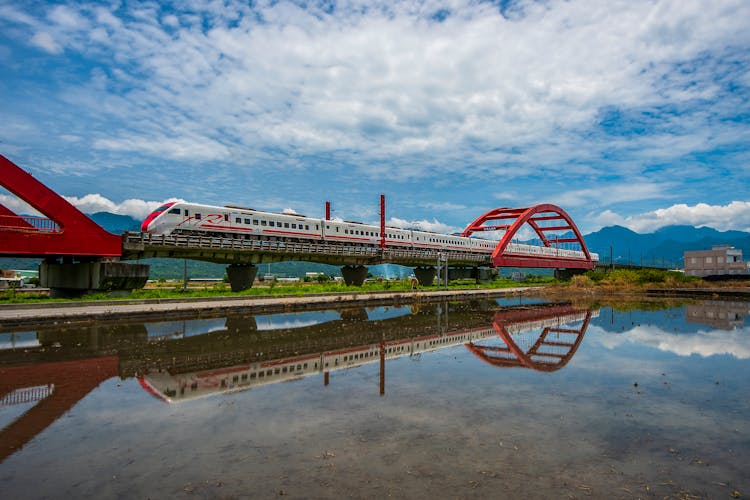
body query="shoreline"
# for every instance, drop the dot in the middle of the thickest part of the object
(14, 315)
(65, 313)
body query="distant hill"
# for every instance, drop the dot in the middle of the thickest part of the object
(115, 223)
(667, 244)
(664, 245)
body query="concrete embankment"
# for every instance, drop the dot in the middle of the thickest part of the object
(12, 315)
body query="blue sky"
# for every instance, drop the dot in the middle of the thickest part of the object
(622, 112)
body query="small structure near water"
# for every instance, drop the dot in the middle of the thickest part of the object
(721, 260)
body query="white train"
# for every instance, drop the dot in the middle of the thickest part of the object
(184, 386)
(191, 218)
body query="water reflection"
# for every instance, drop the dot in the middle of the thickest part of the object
(44, 373)
(532, 338)
(724, 315)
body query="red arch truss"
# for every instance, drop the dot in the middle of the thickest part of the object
(545, 219)
(553, 348)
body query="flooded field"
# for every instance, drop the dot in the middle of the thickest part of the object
(485, 399)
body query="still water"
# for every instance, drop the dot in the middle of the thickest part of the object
(508, 398)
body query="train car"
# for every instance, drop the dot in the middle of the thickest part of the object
(192, 218)
(181, 217)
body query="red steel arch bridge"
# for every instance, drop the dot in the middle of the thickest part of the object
(79, 255)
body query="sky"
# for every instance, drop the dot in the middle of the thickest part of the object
(633, 112)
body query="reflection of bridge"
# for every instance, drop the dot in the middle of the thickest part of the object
(80, 255)
(547, 351)
(222, 354)
(55, 389)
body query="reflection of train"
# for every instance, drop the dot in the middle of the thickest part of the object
(190, 218)
(183, 386)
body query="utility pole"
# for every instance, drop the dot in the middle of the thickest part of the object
(184, 274)
(382, 221)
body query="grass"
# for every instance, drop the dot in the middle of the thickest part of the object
(174, 290)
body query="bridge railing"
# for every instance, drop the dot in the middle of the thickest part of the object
(28, 223)
(145, 241)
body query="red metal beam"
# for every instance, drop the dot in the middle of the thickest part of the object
(526, 359)
(75, 234)
(530, 216)
(72, 381)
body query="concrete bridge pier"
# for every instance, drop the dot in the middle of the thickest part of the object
(241, 276)
(73, 279)
(425, 275)
(354, 275)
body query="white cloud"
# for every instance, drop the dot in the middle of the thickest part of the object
(16, 205)
(424, 225)
(735, 215)
(138, 209)
(45, 41)
(90, 203)
(386, 80)
(613, 193)
(703, 343)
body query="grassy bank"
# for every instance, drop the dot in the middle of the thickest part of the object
(174, 290)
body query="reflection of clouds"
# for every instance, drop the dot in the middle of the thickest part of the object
(295, 320)
(703, 343)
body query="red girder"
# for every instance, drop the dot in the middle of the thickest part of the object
(531, 215)
(72, 381)
(72, 234)
(525, 359)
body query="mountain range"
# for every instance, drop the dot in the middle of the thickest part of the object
(664, 246)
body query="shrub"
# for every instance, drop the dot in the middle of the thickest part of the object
(581, 281)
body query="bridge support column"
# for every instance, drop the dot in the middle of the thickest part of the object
(425, 275)
(354, 275)
(478, 274)
(76, 279)
(566, 274)
(241, 276)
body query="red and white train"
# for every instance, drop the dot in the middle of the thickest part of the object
(192, 218)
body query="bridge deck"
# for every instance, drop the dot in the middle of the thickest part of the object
(230, 250)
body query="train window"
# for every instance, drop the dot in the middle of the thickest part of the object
(261, 374)
(235, 378)
(175, 211)
(328, 227)
(316, 226)
(346, 231)
(255, 222)
(299, 367)
(284, 370)
(307, 226)
(244, 376)
(337, 230)
(247, 221)
(294, 226)
(305, 365)
(286, 225)
(252, 375)
(263, 223)
(238, 220)
(187, 212)
(226, 217)
(271, 223)
(197, 216)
